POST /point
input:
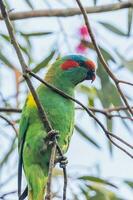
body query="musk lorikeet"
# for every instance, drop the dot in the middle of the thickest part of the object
(64, 74)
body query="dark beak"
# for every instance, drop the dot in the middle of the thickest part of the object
(91, 76)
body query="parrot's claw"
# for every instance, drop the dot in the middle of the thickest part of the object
(62, 160)
(51, 137)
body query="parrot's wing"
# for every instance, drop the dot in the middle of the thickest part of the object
(21, 139)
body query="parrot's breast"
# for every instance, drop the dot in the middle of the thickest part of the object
(60, 112)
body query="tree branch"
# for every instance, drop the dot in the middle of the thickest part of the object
(107, 112)
(68, 12)
(51, 166)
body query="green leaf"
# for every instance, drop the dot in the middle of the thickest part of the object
(107, 55)
(6, 61)
(6, 37)
(97, 180)
(95, 2)
(99, 196)
(91, 92)
(35, 34)
(112, 97)
(108, 94)
(110, 127)
(85, 136)
(129, 183)
(29, 4)
(44, 62)
(102, 193)
(130, 18)
(85, 193)
(91, 102)
(112, 28)
(126, 63)
(26, 51)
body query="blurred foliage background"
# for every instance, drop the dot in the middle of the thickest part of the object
(42, 40)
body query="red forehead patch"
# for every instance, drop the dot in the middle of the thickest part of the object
(90, 64)
(68, 64)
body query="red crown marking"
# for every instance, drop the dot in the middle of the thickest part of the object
(90, 64)
(69, 64)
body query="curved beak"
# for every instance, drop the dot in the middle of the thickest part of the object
(91, 76)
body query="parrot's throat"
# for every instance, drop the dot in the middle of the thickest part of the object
(62, 84)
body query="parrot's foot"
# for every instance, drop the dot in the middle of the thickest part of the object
(62, 160)
(52, 136)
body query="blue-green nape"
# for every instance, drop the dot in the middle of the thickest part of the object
(75, 57)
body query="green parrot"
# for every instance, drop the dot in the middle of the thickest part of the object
(64, 74)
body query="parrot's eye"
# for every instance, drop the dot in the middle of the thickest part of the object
(68, 64)
(90, 65)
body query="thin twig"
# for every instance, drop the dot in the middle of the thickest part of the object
(125, 82)
(14, 110)
(107, 112)
(10, 123)
(65, 183)
(64, 173)
(7, 194)
(118, 108)
(68, 12)
(51, 166)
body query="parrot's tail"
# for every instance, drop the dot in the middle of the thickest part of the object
(33, 196)
(37, 183)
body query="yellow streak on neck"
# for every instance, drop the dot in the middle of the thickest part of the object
(31, 102)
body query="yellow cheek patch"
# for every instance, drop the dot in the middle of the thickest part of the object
(31, 101)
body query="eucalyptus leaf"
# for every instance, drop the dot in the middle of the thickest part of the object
(130, 19)
(102, 193)
(112, 28)
(6, 37)
(6, 61)
(26, 51)
(85, 136)
(95, 2)
(107, 55)
(126, 63)
(129, 65)
(110, 127)
(44, 62)
(29, 4)
(108, 94)
(97, 180)
(129, 183)
(35, 34)
(85, 193)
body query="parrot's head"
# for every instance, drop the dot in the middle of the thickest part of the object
(74, 69)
